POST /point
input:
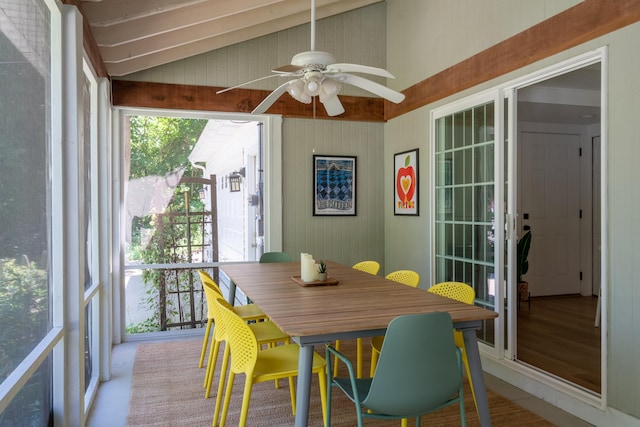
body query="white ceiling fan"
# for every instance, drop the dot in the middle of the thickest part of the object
(317, 74)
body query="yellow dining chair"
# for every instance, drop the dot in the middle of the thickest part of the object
(406, 277)
(259, 366)
(247, 311)
(272, 257)
(464, 293)
(265, 333)
(211, 292)
(371, 267)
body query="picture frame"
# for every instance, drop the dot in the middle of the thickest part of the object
(405, 183)
(334, 185)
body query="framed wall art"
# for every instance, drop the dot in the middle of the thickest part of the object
(405, 183)
(334, 185)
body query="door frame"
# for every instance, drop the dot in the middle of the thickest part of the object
(509, 92)
(500, 359)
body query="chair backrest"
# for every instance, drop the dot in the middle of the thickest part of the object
(371, 267)
(240, 338)
(211, 292)
(418, 367)
(406, 277)
(455, 290)
(205, 276)
(275, 257)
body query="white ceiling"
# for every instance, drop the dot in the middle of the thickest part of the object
(134, 35)
(570, 98)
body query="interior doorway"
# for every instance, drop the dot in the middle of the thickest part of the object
(558, 198)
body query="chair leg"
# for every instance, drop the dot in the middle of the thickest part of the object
(292, 392)
(205, 341)
(322, 380)
(227, 399)
(359, 358)
(329, 386)
(335, 359)
(466, 365)
(246, 397)
(211, 366)
(374, 362)
(223, 372)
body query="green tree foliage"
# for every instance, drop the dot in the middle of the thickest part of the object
(23, 310)
(159, 147)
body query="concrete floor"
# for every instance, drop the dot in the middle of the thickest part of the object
(112, 401)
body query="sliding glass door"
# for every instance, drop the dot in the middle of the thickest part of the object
(466, 206)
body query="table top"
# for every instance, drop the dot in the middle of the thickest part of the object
(359, 302)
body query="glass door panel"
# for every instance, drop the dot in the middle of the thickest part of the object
(464, 205)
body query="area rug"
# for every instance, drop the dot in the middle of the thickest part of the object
(167, 390)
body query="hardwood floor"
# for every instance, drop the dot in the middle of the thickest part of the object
(557, 335)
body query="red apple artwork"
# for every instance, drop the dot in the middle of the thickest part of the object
(406, 185)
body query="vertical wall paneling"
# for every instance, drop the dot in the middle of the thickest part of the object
(343, 239)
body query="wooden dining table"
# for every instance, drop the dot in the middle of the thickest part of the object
(359, 305)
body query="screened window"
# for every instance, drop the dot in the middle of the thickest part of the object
(25, 63)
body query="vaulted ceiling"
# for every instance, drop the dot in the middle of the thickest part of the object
(134, 35)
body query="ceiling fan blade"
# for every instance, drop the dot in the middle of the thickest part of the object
(356, 68)
(370, 86)
(333, 106)
(288, 69)
(247, 83)
(273, 96)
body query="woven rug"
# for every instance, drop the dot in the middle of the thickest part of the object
(167, 391)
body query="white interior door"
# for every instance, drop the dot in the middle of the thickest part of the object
(549, 204)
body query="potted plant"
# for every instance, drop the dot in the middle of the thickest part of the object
(524, 244)
(322, 271)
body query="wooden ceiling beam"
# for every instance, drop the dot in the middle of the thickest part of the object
(579, 24)
(204, 98)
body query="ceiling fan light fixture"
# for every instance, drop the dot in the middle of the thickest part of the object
(312, 86)
(330, 88)
(296, 89)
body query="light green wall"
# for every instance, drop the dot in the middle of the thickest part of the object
(460, 34)
(343, 239)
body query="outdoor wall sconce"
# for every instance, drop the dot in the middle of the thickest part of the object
(234, 179)
(234, 183)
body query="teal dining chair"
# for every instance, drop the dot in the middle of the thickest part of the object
(406, 384)
(275, 257)
(272, 257)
